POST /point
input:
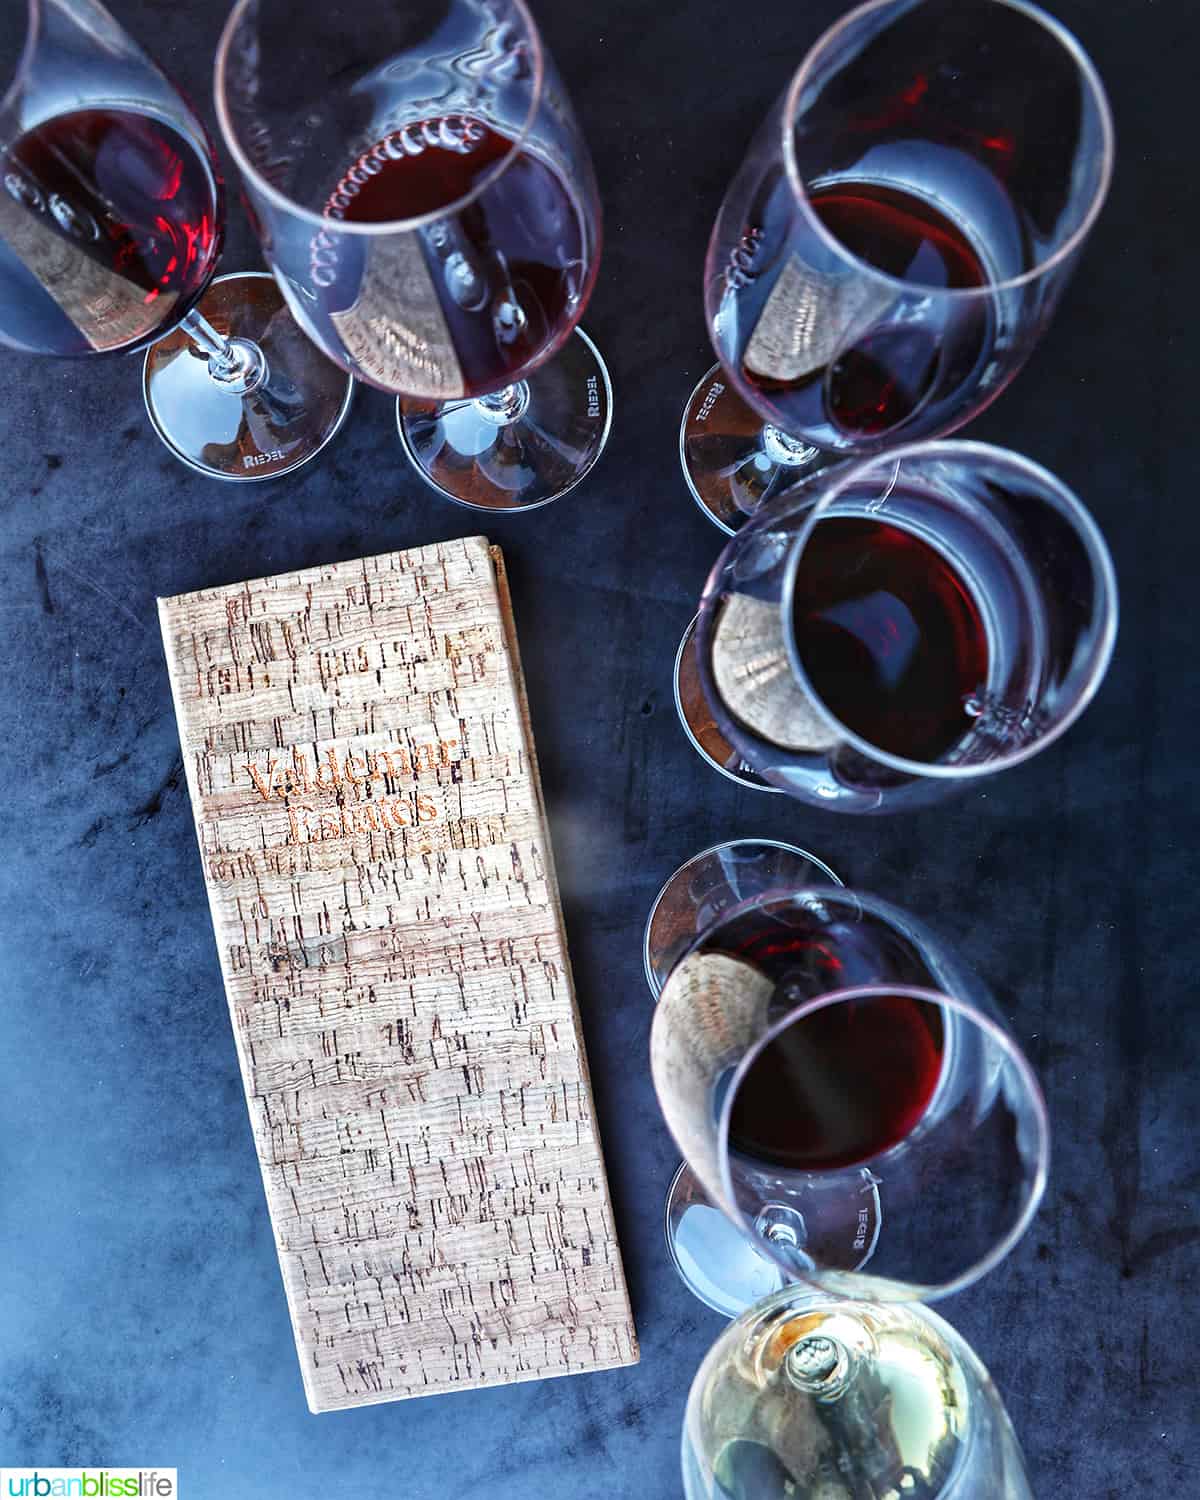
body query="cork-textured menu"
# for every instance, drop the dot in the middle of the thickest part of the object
(382, 889)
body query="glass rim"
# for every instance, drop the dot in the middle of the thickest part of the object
(997, 1032)
(1095, 88)
(767, 843)
(1099, 558)
(378, 227)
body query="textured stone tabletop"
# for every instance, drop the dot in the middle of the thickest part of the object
(142, 1318)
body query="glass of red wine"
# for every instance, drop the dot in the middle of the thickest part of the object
(852, 1110)
(895, 242)
(699, 723)
(427, 203)
(901, 626)
(111, 218)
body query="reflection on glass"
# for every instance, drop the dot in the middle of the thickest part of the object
(895, 242)
(806, 1395)
(426, 201)
(111, 220)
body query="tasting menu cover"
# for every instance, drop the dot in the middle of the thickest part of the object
(374, 844)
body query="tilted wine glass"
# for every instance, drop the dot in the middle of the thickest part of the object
(898, 627)
(895, 241)
(426, 201)
(111, 220)
(851, 1108)
(809, 1395)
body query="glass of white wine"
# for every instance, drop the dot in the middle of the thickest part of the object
(808, 1395)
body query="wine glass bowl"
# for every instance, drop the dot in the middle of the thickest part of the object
(843, 1089)
(896, 240)
(111, 224)
(712, 882)
(425, 199)
(900, 626)
(809, 1395)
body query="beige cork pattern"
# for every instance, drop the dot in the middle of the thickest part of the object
(369, 816)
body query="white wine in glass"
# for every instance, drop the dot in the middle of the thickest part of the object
(812, 1397)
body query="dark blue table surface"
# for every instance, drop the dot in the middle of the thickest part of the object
(142, 1318)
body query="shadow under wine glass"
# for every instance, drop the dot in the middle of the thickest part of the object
(851, 1110)
(426, 201)
(895, 242)
(111, 222)
(898, 627)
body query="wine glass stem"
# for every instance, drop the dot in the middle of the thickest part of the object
(237, 365)
(789, 452)
(503, 407)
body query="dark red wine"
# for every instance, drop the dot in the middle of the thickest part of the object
(108, 231)
(889, 635)
(840, 1086)
(428, 168)
(879, 382)
(506, 275)
(844, 358)
(852, 1079)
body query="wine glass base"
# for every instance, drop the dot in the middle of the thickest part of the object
(538, 457)
(713, 881)
(714, 1259)
(698, 722)
(260, 435)
(727, 467)
(717, 1259)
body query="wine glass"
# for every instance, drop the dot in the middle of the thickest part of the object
(426, 201)
(903, 625)
(851, 1108)
(111, 219)
(811, 1395)
(895, 242)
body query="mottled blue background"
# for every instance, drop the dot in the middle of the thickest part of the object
(142, 1318)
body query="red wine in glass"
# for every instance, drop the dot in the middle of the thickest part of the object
(840, 1086)
(506, 271)
(109, 231)
(850, 1080)
(890, 636)
(878, 379)
(878, 383)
